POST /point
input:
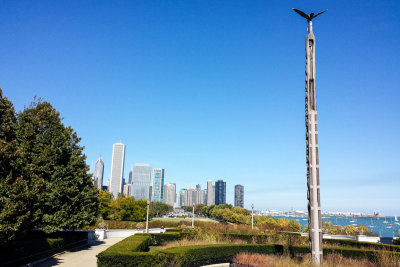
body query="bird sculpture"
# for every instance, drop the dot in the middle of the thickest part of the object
(308, 17)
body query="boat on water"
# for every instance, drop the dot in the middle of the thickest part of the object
(385, 221)
(352, 221)
(388, 227)
(371, 226)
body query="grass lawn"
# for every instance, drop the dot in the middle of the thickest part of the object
(186, 219)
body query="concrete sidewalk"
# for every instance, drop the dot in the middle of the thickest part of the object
(83, 256)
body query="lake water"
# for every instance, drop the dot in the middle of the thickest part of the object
(383, 226)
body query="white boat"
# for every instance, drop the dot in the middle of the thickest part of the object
(385, 221)
(395, 219)
(352, 221)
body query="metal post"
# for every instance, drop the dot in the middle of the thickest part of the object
(252, 216)
(193, 217)
(312, 159)
(147, 217)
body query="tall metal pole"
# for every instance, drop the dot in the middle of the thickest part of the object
(313, 193)
(193, 217)
(252, 216)
(147, 217)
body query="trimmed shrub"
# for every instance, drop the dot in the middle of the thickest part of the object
(357, 244)
(55, 243)
(179, 230)
(132, 251)
(209, 254)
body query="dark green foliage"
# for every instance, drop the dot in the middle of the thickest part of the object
(55, 164)
(145, 259)
(357, 244)
(15, 195)
(43, 175)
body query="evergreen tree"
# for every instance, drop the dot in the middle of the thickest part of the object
(14, 193)
(55, 166)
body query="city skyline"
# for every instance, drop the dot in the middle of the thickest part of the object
(214, 90)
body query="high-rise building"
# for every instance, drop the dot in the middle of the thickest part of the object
(158, 185)
(198, 187)
(127, 189)
(181, 196)
(239, 195)
(130, 177)
(170, 194)
(210, 193)
(193, 196)
(220, 192)
(141, 181)
(117, 169)
(98, 173)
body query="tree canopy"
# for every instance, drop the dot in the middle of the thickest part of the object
(44, 180)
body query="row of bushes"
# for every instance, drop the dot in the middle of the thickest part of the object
(357, 244)
(37, 245)
(133, 251)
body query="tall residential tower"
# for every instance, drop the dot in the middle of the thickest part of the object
(158, 185)
(239, 195)
(220, 192)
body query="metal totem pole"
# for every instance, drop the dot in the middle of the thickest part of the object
(314, 203)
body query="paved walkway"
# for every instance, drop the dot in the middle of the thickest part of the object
(84, 256)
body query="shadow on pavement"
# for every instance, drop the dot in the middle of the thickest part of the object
(54, 261)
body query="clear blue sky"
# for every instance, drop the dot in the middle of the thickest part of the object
(215, 90)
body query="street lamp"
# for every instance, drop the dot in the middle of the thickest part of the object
(312, 158)
(193, 217)
(252, 216)
(147, 217)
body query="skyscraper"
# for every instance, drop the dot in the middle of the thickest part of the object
(239, 195)
(181, 196)
(193, 196)
(117, 169)
(98, 173)
(220, 192)
(158, 185)
(130, 177)
(210, 193)
(141, 181)
(170, 194)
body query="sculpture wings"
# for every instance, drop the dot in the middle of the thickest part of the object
(308, 17)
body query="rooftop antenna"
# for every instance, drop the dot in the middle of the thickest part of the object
(312, 159)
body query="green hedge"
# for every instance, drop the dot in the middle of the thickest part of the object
(357, 244)
(178, 230)
(209, 254)
(132, 251)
